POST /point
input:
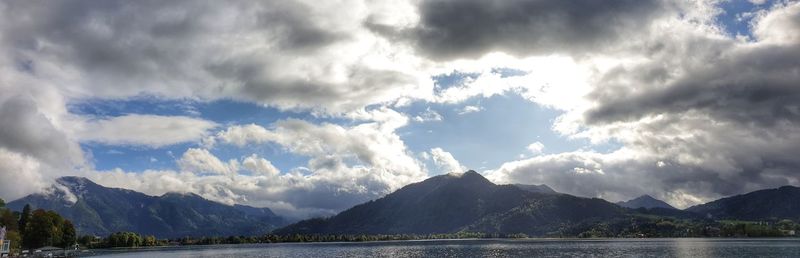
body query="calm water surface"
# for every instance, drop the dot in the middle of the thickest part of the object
(492, 248)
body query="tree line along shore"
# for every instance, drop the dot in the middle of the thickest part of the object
(31, 229)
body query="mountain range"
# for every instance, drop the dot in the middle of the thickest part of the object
(99, 210)
(462, 202)
(767, 204)
(451, 203)
(469, 202)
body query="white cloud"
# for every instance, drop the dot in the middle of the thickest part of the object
(16, 168)
(347, 164)
(469, 109)
(446, 162)
(779, 25)
(260, 166)
(144, 130)
(536, 147)
(202, 161)
(372, 144)
(428, 115)
(252, 180)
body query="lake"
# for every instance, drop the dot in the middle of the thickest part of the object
(490, 248)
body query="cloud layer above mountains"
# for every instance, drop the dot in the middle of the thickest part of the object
(697, 112)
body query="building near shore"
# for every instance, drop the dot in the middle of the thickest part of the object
(5, 246)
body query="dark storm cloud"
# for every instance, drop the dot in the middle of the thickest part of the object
(121, 37)
(24, 129)
(756, 85)
(366, 85)
(270, 52)
(451, 29)
(727, 118)
(751, 84)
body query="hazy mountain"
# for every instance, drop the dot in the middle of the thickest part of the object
(780, 203)
(645, 201)
(99, 210)
(536, 188)
(454, 202)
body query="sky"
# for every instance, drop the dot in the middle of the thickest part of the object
(310, 107)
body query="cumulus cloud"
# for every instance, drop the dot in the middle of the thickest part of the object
(347, 164)
(700, 116)
(16, 168)
(287, 54)
(202, 161)
(32, 147)
(446, 162)
(536, 147)
(144, 130)
(339, 173)
(260, 166)
(780, 25)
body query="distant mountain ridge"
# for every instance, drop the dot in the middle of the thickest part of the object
(470, 203)
(99, 210)
(536, 188)
(767, 204)
(449, 203)
(645, 201)
(455, 202)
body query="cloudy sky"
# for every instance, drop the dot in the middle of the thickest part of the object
(309, 107)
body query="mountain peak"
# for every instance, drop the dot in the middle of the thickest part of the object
(73, 181)
(69, 188)
(469, 177)
(645, 197)
(463, 174)
(645, 201)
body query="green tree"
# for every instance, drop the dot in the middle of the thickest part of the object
(785, 224)
(2, 203)
(150, 241)
(16, 241)
(87, 241)
(124, 239)
(43, 229)
(8, 219)
(24, 218)
(68, 237)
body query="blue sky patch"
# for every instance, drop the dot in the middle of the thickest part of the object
(735, 18)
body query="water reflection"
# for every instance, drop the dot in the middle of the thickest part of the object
(495, 248)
